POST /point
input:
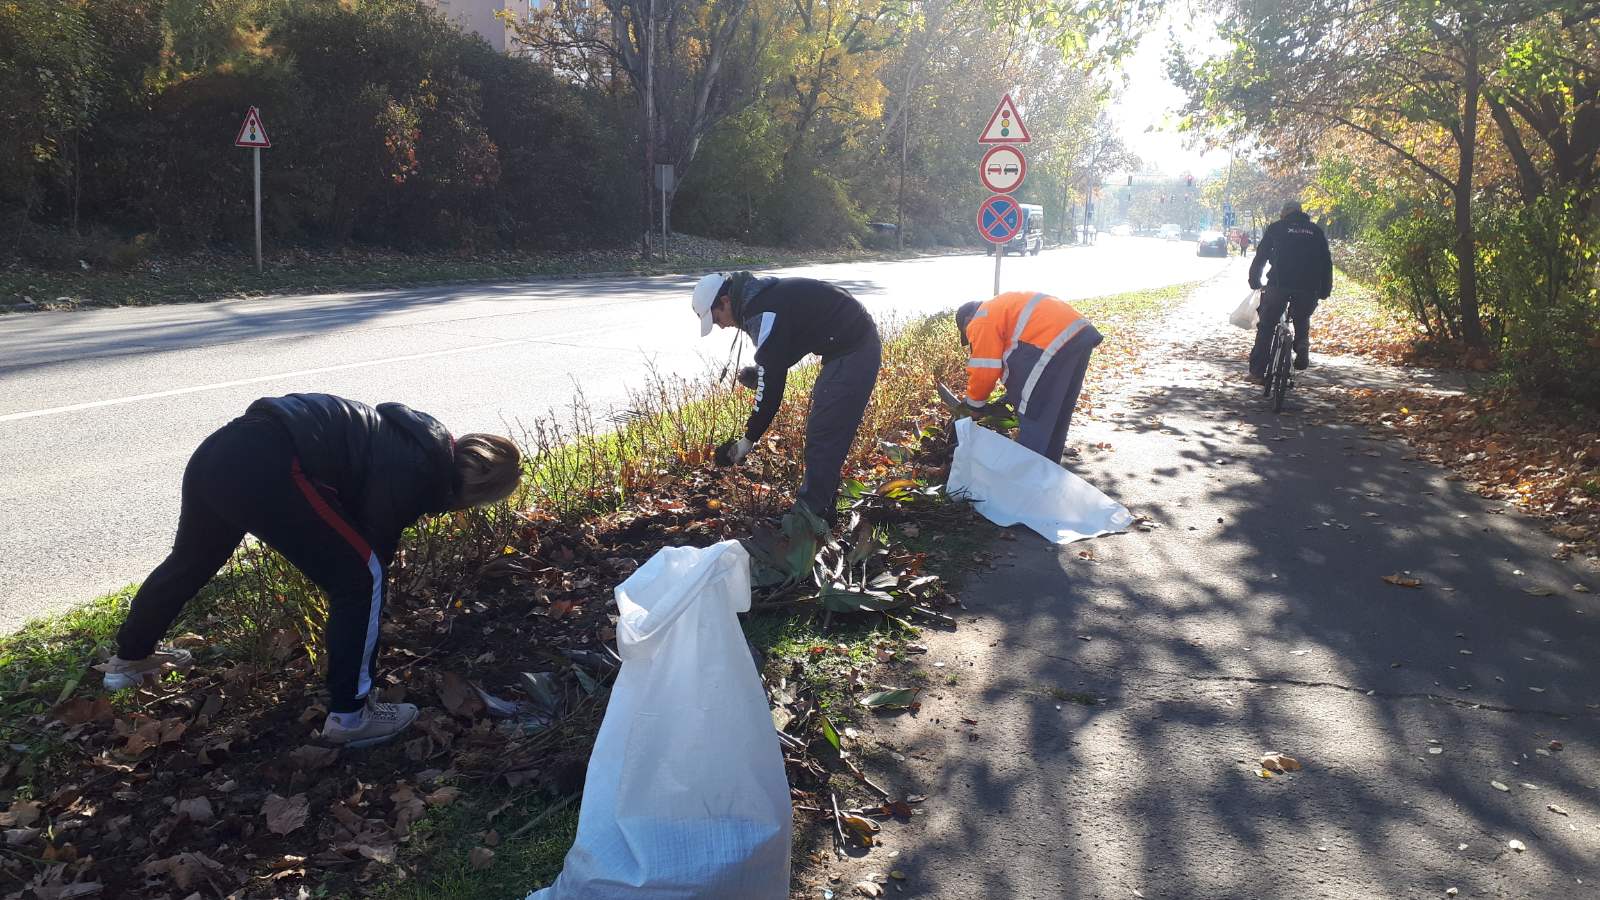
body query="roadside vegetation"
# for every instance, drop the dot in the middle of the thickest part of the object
(1451, 148)
(200, 277)
(118, 158)
(500, 625)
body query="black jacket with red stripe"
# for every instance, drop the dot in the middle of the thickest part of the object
(387, 466)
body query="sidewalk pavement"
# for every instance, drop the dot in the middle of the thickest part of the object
(1124, 688)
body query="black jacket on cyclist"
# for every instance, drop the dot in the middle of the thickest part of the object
(1297, 249)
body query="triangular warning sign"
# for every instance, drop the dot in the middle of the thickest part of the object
(1005, 126)
(252, 133)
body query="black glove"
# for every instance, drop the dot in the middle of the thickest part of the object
(999, 409)
(732, 452)
(748, 377)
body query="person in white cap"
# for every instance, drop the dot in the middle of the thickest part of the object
(788, 318)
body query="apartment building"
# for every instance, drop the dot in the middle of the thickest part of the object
(490, 19)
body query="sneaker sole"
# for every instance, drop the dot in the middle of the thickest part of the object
(118, 682)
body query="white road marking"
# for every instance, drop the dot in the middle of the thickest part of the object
(223, 385)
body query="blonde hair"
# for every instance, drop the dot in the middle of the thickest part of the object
(490, 467)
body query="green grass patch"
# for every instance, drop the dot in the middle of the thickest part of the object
(440, 852)
(212, 276)
(1114, 314)
(1078, 697)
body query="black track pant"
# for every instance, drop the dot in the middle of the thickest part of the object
(1301, 306)
(838, 403)
(246, 478)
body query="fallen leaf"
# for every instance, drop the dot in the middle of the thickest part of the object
(195, 809)
(898, 698)
(865, 828)
(408, 807)
(86, 709)
(459, 697)
(869, 889)
(311, 757)
(1557, 810)
(1279, 762)
(1405, 581)
(481, 858)
(285, 814)
(21, 814)
(443, 796)
(1499, 786)
(1517, 845)
(1539, 591)
(187, 870)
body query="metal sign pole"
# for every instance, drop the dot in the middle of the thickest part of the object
(663, 221)
(999, 254)
(256, 152)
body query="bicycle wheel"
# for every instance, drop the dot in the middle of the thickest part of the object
(1272, 362)
(1278, 384)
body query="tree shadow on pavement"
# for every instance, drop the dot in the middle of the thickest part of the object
(1256, 619)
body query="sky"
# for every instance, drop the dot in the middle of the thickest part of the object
(1146, 113)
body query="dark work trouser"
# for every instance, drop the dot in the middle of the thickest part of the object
(246, 478)
(838, 403)
(1042, 427)
(1301, 306)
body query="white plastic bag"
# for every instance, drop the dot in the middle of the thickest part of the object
(686, 796)
(1245, 314)
(1010, 484)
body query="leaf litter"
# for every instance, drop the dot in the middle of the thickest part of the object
(220, 783)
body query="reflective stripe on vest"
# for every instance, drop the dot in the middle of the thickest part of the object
(976, 363)
(1067, 334)
(1016, 336)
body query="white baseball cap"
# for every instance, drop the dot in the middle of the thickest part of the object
(705, 295)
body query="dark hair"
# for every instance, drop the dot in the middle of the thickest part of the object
(964, 316)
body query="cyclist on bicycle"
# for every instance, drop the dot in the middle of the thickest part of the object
(1301, 276)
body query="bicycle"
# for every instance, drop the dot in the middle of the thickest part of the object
(1280, 361)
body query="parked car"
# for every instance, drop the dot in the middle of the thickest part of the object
(1170, 231)
(1122, 230)
(1211, 243)
(1030, 238)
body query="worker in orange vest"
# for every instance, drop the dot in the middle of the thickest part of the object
(1039, 347)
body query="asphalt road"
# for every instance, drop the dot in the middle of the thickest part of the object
(1095, 727)
(100, 409)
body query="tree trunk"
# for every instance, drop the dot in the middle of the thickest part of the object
(648, 128)
(900, 201)
(1466, 243)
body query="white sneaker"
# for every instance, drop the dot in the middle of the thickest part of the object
(126, 673)
(380, 723)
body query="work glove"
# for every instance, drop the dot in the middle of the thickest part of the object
(999, 409)
(748, 377)
(732, 453)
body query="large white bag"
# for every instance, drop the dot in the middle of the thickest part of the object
(1010, 484)
(686, 795)
(1246, 313)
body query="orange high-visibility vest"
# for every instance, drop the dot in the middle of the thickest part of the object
(1007, 320)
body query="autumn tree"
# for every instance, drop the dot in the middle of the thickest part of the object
(1407, 76)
